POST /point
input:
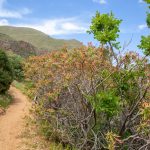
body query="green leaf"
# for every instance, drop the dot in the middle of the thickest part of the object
(145, 44)
(105, 28)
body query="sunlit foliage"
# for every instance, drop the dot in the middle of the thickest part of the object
(81, 97)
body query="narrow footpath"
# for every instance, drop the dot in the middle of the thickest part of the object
(12, 123)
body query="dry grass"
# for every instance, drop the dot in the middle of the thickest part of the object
(31, 139)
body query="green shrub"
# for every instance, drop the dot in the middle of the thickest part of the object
(106, 102)
(5, 100)
(87, 100)
(6, 72)
(17, 64)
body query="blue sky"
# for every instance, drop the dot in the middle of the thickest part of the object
(69, 19)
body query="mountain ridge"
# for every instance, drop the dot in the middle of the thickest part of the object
(37, 38)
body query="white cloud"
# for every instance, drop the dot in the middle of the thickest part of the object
(100, 1)
(141, 1)
(59, 26)
(62, 26)
(142, 26)
(12, 13)
(4, 22)
(133, 29)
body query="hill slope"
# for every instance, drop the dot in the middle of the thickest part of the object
(21, 48)
(37, 38)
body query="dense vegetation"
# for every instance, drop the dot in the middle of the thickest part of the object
(6, 72)
(94, 98)
(88, 98)
(11, 68)
(83, 100)
(6, 78)
(16, 62)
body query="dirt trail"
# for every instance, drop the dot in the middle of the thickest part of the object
(12, 123)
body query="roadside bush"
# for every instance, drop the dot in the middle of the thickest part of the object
(17, 65)
(6, 72)
(5, 100)
(93, 100)
(85, 101)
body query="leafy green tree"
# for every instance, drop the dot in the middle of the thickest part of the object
(105, 28)
(145, 40)
(17, 64)
(147, 1)
(6, 72)
(148, 13)
(145, 44)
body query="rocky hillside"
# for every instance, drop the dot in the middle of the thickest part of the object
(37, 38)
(21, 48)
